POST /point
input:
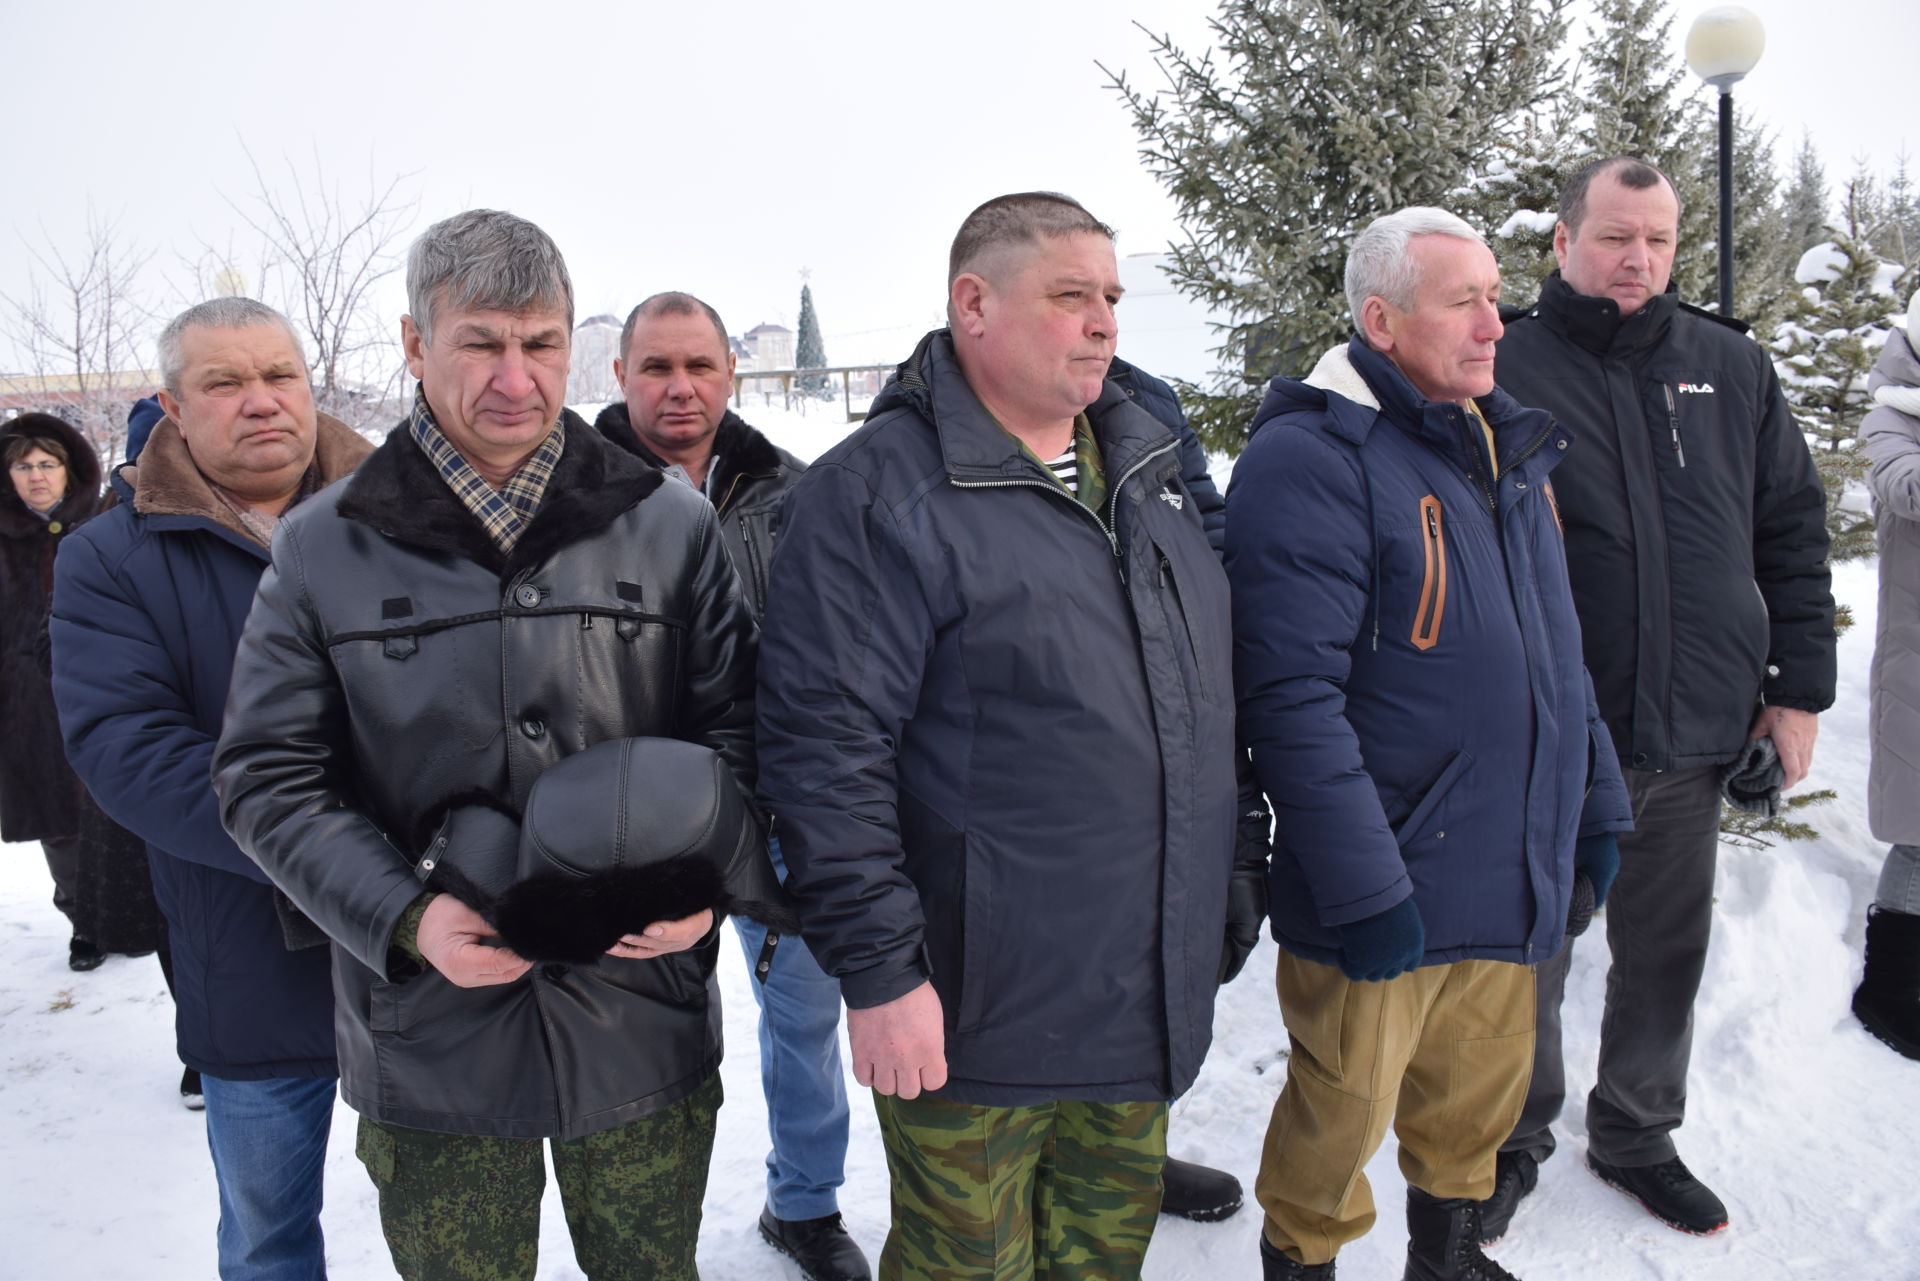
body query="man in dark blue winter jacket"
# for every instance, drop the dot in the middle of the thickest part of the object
(1410, 684)
(149, 600)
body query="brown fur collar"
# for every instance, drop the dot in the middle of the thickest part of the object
(166, 483)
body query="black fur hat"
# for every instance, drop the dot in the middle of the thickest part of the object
(629, 832)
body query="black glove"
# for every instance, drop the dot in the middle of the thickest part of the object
(1247, 891)
(1246, 912)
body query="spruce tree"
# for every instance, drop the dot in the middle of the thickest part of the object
(1839, 323)
(1308, 119)
(1516, 203)
(809, 351)
(1898, 238)
(1761, 252)
(1805, 204)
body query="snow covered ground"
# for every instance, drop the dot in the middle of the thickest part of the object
(1804, 1124)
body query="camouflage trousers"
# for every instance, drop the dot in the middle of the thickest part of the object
(1063, 1191)
(466, 1207)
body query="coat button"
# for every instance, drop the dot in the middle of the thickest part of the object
(1561, 443)
(533, 727)
(1773, 669)
(526, 595)
(1640, 758)
(1519, 484)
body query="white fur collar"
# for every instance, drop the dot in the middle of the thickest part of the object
(1336, 373)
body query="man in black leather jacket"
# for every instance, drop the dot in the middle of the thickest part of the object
(497, 589)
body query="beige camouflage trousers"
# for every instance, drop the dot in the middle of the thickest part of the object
(1064, 1191)
(466, 1207)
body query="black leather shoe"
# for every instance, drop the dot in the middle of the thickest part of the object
(1515, 1174)
(1198, 1192)
(1669, 1192)
(83, 956)
(820, 1246)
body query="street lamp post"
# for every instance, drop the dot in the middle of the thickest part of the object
(1722, 46)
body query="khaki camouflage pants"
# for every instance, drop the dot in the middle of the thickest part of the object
(465, 1207)
(1062, 1191)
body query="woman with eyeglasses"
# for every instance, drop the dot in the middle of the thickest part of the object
(100, 878)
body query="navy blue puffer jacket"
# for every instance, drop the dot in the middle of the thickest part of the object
(1408, 665)
(148, 604)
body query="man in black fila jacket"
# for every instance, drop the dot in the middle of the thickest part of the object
(1697, 549)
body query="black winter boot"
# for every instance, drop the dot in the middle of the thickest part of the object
(1198, 1192)
(1515, 1175)
(1276, 1266)
(1888, 998)
(1443, 1241)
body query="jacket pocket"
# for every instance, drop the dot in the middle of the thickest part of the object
(1422, 813)
(1195, 610)
(1433, 584)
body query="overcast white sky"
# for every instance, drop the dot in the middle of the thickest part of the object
(714, 147)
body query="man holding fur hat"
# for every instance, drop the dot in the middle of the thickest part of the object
(520, 952)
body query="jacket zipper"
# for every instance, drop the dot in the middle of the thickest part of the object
(1533, 447)
(1467, 434)
(1433, 591)
(1113, 500)
(1673, 423)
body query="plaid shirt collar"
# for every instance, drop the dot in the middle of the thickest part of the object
(504, 512)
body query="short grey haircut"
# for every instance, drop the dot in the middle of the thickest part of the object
(215, 313)
(485, 260)
(671, 303)
(1378, 263)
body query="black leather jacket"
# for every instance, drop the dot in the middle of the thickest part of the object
(751, 475)
(396, 661)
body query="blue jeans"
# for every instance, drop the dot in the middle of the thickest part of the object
(269, 1145)
(799, 1072)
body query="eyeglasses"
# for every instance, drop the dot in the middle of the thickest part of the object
(45, 469)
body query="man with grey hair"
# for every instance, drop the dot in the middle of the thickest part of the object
(494, 593)
(995, 734)
(148, 603)
(1407, 661)
(1697, 543)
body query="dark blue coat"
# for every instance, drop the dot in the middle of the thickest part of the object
(148, 605)
(1408, 666)
(996, 732)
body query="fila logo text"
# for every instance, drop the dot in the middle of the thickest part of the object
(1699, 389)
